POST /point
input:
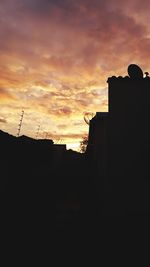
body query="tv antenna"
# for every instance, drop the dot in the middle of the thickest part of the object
(46, 135)
(88, 116)
(37, 133)
(20, 123)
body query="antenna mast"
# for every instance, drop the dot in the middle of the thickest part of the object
(37, 133)
(20, 123)
(88, 116)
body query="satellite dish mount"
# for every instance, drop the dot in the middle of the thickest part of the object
(135, 72)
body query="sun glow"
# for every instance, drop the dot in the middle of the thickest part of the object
(73, 146)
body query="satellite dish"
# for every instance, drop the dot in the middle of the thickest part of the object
(88, 116)
(135, 72)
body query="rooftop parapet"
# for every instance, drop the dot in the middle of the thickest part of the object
(127, 79)
(135, 74)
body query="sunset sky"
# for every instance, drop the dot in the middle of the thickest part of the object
(56, 56)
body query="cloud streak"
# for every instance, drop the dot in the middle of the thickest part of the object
(2, 120)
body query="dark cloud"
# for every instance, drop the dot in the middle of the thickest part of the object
(63, 111)
(75, 34)
(2, 120)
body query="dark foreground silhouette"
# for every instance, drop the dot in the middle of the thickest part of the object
(66, 190)
(112, 178)
(38, 180)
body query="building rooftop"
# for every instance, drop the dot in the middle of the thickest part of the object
(101, 114)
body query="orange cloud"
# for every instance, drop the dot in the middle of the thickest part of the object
(5, 95)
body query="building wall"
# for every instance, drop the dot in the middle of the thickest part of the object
(129, 138)
(119, 143)
(97, 139)
(129, 114)
(98, 147)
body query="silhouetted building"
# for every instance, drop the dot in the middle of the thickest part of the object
(58, 151)
(97, 139)
(123, 137)
(98, 128)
